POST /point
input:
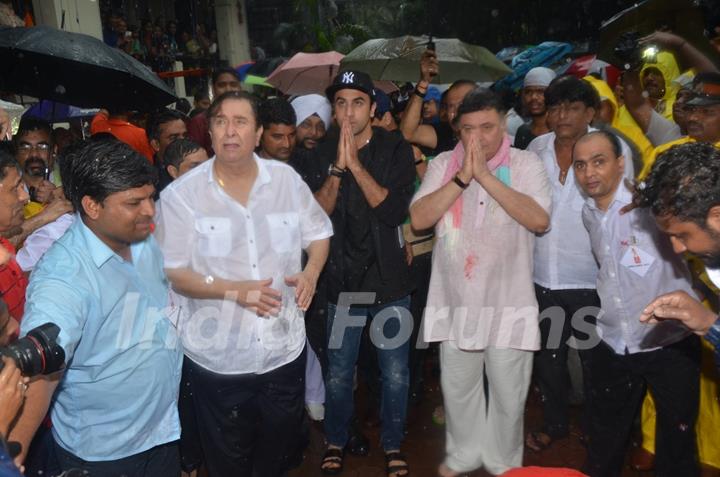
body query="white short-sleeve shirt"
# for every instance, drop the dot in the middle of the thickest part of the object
(201, 227)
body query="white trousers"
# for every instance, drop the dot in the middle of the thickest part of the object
(484, 431)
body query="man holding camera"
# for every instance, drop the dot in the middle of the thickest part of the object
(114, 407)
(35, 153)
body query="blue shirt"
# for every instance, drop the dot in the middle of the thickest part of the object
(118, 395)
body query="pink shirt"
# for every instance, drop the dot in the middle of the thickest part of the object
(481, 288)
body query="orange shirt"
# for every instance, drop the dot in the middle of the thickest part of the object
(130, 134)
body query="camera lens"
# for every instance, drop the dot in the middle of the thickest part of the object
(38, 352)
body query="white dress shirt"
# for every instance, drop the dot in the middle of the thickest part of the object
(40, 241)
(201, 227)
(637, 264)
(714, 275)
(563, 259)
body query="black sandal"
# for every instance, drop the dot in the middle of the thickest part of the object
(334, 457)
(393, 470)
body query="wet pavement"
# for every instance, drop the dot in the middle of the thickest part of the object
(424, 444)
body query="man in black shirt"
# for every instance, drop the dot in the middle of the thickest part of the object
(434, 138)
(533, 101)
(364, 179)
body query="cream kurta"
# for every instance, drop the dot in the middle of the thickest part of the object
(481, 289)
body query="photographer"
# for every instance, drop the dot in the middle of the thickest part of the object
(645, 86)
(114, 408)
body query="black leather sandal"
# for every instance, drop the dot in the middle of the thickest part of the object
(332, 461)
(397, 470)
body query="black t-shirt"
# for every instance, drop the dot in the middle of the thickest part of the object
(523, 137)
(359, 254)
(365, 250)
(446, 140)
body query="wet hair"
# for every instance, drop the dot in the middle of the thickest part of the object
(570, 89)
(177, 150)
(609, 137)
(684, 183)
(462, 82)
(7, 161)
(30, 123)
(158, 118)
(103, 136)
(100, 168)
(480, 99)
(212, 111)
(221, 71)
(277, 111)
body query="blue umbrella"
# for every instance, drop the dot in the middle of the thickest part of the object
(54, 112)
(545, 54)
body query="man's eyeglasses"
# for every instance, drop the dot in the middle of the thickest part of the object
(26, 147)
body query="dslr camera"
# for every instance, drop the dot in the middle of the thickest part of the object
(628, 50)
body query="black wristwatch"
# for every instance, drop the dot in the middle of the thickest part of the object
(333, 170)
(459, 182)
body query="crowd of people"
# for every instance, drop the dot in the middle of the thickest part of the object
(219, 280)
(159, 44)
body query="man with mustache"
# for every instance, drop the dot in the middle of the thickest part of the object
(533, 100)
(35, 153)
(313, 113)
(278, 137)
(702, 114)
(682, 192)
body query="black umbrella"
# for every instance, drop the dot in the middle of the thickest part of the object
(76, 69)
(682, 17)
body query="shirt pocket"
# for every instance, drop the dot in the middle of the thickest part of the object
(214, 236)
(284, 231)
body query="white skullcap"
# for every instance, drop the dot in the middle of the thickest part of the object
(539, 76)
(309, 104)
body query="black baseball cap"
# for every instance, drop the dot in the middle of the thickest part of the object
(351, 80)
(706, 89)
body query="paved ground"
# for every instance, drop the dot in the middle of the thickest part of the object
(425, 443)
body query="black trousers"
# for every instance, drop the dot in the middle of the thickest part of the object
(618, 385)
(250, 425)
(550, 364)
(161, 460)
(191, 455)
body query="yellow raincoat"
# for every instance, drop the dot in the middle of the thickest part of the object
(667, 65)
(622, 120)
(708, 441)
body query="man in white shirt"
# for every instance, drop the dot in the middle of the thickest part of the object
(232, 231)
(565, 270)
(486, 201)
(636, 265)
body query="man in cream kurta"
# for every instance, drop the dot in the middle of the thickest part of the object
(486, 201)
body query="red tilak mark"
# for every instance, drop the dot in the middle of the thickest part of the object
(470, 262)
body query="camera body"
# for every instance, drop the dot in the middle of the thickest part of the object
(38, 352)
(629, 51)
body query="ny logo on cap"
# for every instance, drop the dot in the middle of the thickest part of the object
(348, 77)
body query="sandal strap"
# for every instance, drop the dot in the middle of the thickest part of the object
(390, 456)
(333, 455)
(393, 469)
